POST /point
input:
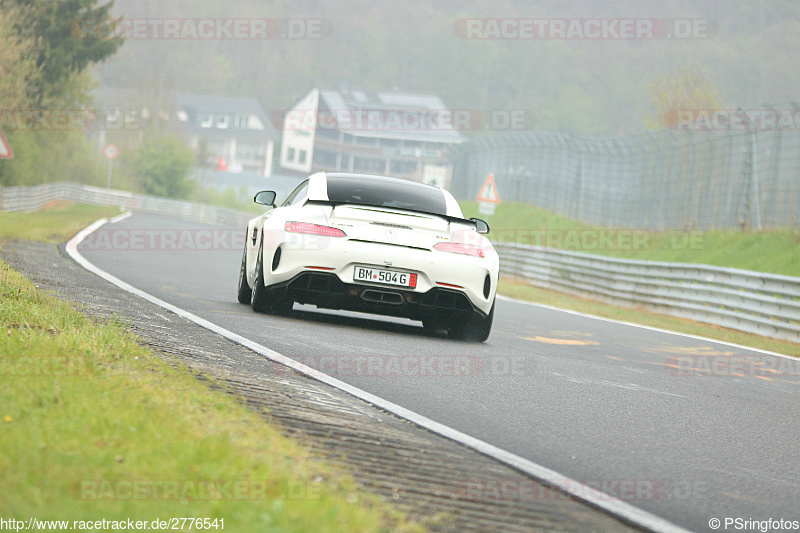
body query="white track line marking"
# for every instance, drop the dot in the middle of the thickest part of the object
(594, 497)
(120, 218)
(651, 328)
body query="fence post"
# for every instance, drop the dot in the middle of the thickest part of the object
(756, 186)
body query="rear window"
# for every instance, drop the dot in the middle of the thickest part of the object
(386, 193)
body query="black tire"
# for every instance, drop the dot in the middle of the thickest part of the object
(261, 301)
(476, 329)
(281, 306)
(244, 293)
(258, 296)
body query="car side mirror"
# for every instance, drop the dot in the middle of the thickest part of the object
(265, 198)
(480, 225)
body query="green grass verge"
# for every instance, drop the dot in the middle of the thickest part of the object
(54, 224)
(775, 250)
(95, 426)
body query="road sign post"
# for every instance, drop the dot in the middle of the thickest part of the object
(111, 152)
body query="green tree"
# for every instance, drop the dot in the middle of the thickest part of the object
(162, 165)
(62, 47)
(690, 88)
(43, 67)
(19, 73)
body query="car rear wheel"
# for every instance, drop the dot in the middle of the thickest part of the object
(244, 293)
(476, 329)
(258, 295)
(261, 301)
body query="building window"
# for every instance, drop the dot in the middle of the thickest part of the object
(324, 158)
(390, 143)
(290, 154)
(222, 122)
(303, 154)
(206, 121)
(240, 121)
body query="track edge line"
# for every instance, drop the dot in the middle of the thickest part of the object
(597, 499)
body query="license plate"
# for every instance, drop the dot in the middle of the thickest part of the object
(387, 277)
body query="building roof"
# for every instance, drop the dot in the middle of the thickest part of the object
(420, 117)
(171, 105)
(193, 104)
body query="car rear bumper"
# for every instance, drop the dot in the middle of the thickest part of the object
(445, 281)
(326, 290)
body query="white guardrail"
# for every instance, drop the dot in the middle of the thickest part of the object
(755, 302)
(36, 197)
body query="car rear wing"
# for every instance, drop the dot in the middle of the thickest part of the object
(471, 222)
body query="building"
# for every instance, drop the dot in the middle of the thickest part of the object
(235, 129)
(402, 135)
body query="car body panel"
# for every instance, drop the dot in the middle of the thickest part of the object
(378, 237)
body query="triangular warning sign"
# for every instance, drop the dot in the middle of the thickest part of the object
(488, 191)
(5, 149)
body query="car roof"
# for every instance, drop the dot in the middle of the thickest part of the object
(317, 188)
(376, 177)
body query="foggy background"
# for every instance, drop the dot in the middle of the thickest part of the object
(586, 87)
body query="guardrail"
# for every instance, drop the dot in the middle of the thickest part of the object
(755, 302)
(34, 198)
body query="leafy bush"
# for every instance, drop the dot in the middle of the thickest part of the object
(162, 164)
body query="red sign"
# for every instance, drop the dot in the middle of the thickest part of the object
(488, 191)
(111, 151)
(5, 149)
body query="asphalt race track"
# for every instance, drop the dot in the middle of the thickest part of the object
(608, 404)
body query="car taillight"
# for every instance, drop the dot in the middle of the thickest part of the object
(314, 229)
(459, 248)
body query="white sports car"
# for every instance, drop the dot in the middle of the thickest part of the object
(373, 244)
